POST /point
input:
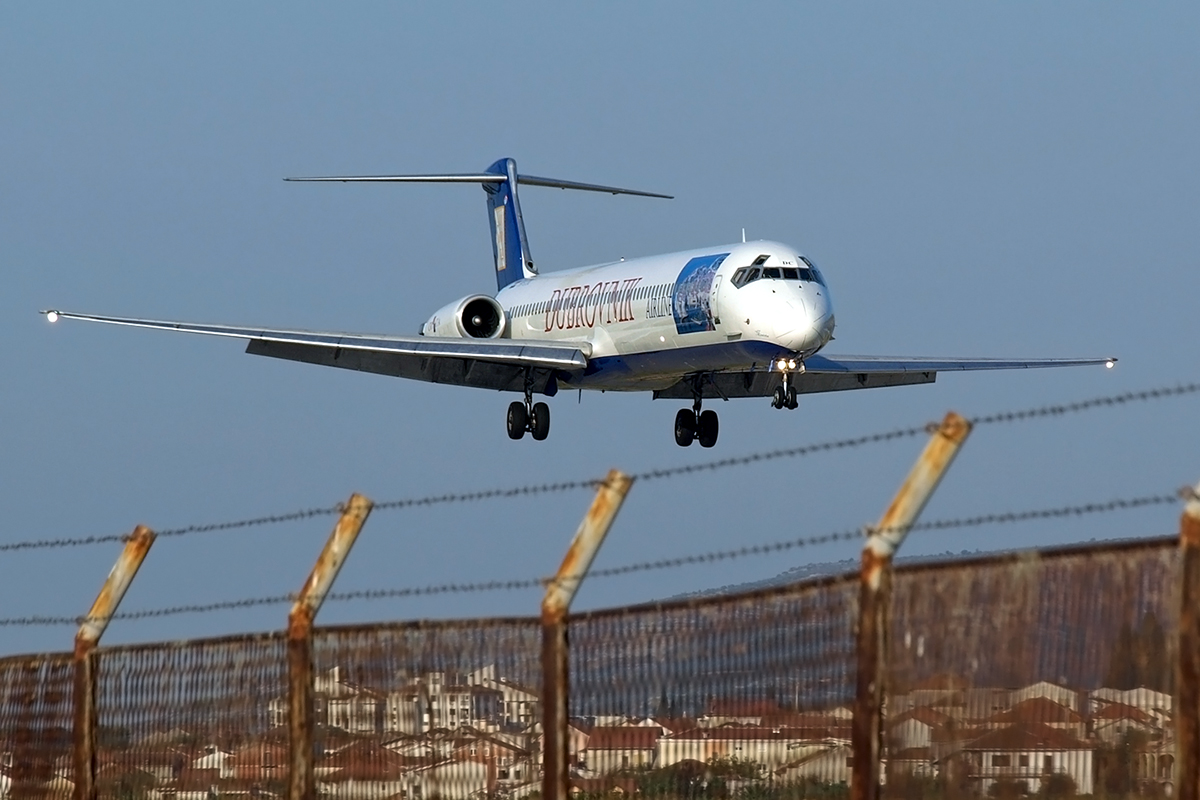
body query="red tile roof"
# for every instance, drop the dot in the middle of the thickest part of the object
(605, 738)
(1037, 709)
(1123, 711)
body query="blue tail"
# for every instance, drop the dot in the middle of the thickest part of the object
(510, 247)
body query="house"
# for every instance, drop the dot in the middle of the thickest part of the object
(261, 761)
(436, 700)
(214, 762)
(578, 734)
(914, 728)
(612, 749)
(1114, 720)
(337, 702)
(829, 764)
(520, 705)
(1156, 704)
(1027, 753)
(448, 780)
(769, 747)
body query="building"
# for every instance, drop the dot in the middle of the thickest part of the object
(1027, 753)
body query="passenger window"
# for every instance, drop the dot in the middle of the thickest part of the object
(789, 273)
(771, 272)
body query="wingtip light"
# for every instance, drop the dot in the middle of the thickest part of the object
(52, 316)
(1112, 362)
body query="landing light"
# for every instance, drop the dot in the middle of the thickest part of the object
(782, 363)
(52, 316)
(791, 363)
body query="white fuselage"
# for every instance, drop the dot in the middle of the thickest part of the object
(645, 322)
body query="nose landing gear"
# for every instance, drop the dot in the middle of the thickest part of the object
(528, 416)
(785, 393)
(694, 424)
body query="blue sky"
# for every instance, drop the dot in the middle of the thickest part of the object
(982, 179)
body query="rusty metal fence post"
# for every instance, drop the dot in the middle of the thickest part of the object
(1187, 712)
(301, 785)
(560, 591)
(875, 589)
(86, 640)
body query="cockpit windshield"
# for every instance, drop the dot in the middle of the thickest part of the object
(808, 273)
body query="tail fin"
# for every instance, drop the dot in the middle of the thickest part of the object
(510, 247)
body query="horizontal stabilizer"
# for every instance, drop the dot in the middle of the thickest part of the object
(483, 177)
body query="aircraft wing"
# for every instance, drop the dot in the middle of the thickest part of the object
(884, 364)
(486, 363)
(842, 373)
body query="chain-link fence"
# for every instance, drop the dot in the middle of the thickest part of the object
(1046, 673)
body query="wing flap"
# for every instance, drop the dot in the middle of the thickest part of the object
(760, 383)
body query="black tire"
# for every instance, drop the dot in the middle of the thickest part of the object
(779, 398)
(707, 429)
(540, 424)
(516, 420)
(685, 427)
(791, 397)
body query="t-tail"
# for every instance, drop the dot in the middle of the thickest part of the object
(510, 246)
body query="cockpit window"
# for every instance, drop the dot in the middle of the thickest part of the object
(771, 272)
(816, 273)
(789, 274)
(745, 275)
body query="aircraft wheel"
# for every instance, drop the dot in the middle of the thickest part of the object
(707, 429)
(791, 398)
(685, 427)
(779, 398)
(540, 424)
(516, 420)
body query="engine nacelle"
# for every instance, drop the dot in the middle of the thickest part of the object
(474, 317)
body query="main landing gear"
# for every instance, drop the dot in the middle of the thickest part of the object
(694, 424)
(528, 416)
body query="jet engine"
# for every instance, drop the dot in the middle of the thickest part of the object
(474, 317)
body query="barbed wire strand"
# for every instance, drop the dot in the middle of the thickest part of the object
(996, 518)
(648, 475)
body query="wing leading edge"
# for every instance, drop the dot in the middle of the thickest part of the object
(484, 363)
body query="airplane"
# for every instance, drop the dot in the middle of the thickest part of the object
(748, 319)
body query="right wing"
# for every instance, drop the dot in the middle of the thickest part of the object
(485, 363)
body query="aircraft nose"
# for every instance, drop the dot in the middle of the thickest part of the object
(791, 319)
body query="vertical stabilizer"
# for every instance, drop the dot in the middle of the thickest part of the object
(509, 245)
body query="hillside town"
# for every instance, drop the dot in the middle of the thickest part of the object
(439, 735)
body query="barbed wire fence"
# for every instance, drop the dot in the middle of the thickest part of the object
(532, 490)
(710, 557)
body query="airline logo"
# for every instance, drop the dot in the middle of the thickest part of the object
(606, 303)
(693, 294)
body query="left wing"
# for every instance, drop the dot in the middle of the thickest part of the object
(485, 363)
(841, 373)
